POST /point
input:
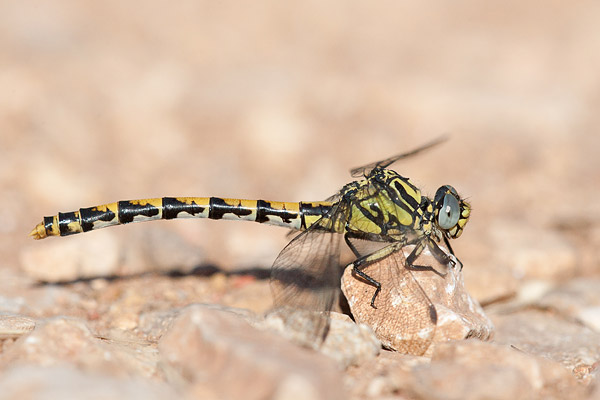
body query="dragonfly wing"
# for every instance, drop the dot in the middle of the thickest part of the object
(365, 170)
(405, 318)
(305, 278)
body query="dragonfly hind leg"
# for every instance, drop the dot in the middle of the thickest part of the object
(363, 261)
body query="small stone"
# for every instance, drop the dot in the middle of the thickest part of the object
(153, 325)
(415, 308)
(13, 326)
(346, 342)
(350, 343)
(209, 348)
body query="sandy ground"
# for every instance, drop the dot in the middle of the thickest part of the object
(110, 101)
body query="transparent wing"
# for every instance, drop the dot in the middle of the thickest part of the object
(365, 170)
(405, 318)
(305, 278)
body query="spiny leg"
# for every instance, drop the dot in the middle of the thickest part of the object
(437, 253)
(440, 255)
(364, 261)
(452, 256)
(351, 246)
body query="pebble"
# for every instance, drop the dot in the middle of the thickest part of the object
(346, 342)
(13, 326)
(403, 319)
(210, 348)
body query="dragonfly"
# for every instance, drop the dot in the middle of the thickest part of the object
(375, 216)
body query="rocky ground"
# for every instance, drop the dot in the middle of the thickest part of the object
(110, 100)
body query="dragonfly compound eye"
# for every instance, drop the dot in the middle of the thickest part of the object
(448, 209)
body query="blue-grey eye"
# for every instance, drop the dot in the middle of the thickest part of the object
(449, 212)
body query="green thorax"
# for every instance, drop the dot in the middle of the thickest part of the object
(386, 206)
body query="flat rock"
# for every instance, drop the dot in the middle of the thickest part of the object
(208, 349)
(415, 308)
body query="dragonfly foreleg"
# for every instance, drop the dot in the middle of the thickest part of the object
(420, 246)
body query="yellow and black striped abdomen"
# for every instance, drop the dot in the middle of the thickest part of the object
(289, 214)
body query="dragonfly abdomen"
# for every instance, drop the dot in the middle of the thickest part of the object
(289, 214)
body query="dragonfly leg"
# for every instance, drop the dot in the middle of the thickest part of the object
(420, 246)
(351, 246)
(356, 265)
(363, 261)
(448, 259)
(453, 259)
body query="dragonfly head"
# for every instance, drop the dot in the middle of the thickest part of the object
(451, 212)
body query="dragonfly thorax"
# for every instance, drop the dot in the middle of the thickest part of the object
(385, 206)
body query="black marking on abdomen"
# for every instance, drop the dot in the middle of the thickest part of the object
(172, 207)
(218, 208)
(91, 215)
(48, 222)
(64, 219)
(128, 211)
(264, 209)
(309, 210)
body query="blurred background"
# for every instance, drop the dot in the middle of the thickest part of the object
(113, 100)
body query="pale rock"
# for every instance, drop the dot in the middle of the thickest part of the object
(154, 324)
(346, 342)
(415, 309)
(13, 326)
(216, 351)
